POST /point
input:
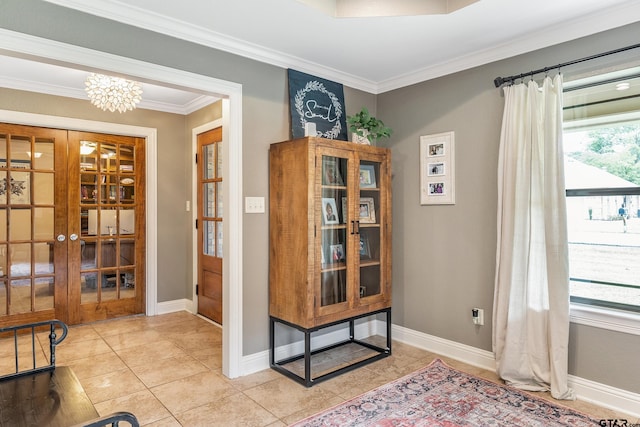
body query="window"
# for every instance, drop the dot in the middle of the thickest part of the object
(602, 177)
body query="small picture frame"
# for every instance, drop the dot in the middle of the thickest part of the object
(329, 211)
(367, 176)
(331, 172)
(437, 169)
(365, 250)
(336, 252)
(367, 210)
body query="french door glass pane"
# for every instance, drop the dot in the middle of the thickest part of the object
(107, 214)
(20, 296)
(208, 194)
(219, 204)
(43, 158)
(209, 162)
(43, 221)
(219, 237)
(43, 253)
(43, 186)
(20, 224)
(20, 152)
(44, 299)
(209, 242)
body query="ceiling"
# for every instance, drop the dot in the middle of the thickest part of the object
(374, 54)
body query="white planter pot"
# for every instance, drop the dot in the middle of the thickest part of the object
(361, 139)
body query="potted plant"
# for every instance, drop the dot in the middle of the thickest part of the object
(367, 128)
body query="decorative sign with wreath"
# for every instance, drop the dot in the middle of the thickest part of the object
(317, 105)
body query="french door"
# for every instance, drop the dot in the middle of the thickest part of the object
(71, 221)
(210, 212)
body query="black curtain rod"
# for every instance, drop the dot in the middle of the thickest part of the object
(499, 81)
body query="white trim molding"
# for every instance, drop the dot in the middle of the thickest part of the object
(36, 48)
(605, 318)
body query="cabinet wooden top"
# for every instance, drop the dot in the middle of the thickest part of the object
(334, 143)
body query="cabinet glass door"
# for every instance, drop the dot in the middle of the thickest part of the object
(369, 229)
(333, 237)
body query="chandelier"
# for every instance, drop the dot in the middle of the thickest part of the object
(113, 93)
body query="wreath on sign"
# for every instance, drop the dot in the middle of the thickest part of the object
(299, 104)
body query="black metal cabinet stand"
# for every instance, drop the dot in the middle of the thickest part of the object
(307, 380)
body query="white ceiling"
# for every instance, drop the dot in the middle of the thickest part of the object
(375, 54)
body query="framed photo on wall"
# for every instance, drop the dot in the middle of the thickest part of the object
(437, 169)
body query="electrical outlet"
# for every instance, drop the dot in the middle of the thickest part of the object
(477, 315)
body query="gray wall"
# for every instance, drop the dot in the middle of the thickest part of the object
(443, 256)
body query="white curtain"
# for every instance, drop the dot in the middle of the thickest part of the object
(531, 300)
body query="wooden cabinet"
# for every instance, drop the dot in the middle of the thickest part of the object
(330, 231)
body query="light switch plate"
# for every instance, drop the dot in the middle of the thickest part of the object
(254, 204)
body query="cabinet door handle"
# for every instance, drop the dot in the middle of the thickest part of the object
(353, 227)
(357, 227)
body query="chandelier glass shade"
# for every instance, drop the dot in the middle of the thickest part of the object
(113, 93)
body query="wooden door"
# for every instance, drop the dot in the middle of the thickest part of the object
(33, 227)
(72, 224)
(106, 218)
(210, 213)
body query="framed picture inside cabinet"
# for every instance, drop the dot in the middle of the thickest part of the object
(329, 211)
(331, 172)
(365, 250)
(336, 252)
(437, 169)
(367, 210)
(367, 176)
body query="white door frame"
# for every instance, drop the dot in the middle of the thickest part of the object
(36, 48)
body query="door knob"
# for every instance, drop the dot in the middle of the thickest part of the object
(73, 237)
(61, 237)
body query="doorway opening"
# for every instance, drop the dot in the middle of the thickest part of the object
(231, 93)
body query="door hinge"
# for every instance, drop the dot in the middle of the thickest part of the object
(196, 223)
(196, 158)
(197, 288)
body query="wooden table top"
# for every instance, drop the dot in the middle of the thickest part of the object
(53, 399)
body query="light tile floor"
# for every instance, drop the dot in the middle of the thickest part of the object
(167, 371)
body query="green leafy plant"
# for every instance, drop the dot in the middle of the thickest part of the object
(364, 124)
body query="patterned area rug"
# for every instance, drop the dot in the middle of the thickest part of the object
(440, 396)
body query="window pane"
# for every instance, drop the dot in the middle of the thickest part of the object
(602, 178)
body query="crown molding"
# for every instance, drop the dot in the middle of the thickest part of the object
(590, 24)
(67, 92)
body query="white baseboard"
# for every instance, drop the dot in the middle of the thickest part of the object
(622, 401)
(175, 305)
(464, 353)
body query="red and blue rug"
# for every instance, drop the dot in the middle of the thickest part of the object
(440, 396)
